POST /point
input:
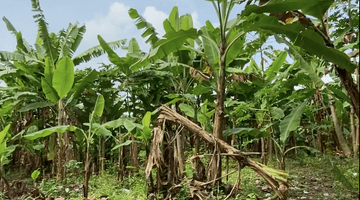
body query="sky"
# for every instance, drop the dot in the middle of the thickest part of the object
(108, 18)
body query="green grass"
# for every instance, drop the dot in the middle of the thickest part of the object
(105, 184)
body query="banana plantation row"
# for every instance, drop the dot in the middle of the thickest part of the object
(197, 93)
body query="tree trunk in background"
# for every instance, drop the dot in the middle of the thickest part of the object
(134, 154)
(233, 138)
(180, 156)
(120, 174)
(350, 86)
(319, 118)
(64, 149)
(102, 148)
(353, 129)
(342, 142)
(357, 137)
(122, 159)
(86, 175)
(358, 117)
(263, 151)
(270, 143)
(215, 168)
(101, 153)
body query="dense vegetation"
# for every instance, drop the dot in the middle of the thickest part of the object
(195, 117)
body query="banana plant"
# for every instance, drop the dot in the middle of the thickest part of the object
(25, 67)
(303, 33)
(220, 48)
(95, 115)
(290, 123)
(94, 129)
(142, 132)
(5, 152)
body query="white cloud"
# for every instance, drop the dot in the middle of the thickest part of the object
(115, 25)
(195, 17)
(156, 18)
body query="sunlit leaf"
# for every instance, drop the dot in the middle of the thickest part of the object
(99, 106)
(63, 76)
(146, 119)
(49, 91)
(187, 109)
(49, 131)
(35, 174)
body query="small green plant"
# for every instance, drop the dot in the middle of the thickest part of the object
(34, 175)
(251, 196)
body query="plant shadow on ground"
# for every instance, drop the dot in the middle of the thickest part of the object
(310, 178)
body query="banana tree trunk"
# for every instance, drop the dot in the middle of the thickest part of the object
(86, 174)
(215, 167)
(357, 137)
(64, 148)
(101, 153)
(319, 118)
(342, 142)
(134, 154)
(351, 87)
(102, 148)
(358, 117)
(180, 152)
(353, 129)
(120, 174)
(263, 151)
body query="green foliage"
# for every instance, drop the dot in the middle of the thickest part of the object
(304, 64)
(126, 143)
(9, 26)
(34, 106)
(113, 57)
(187, 109)
(48, 131)
(172, 42)
(5, 151)
(256, 133)
(79, 87)
(49, 91)
(96, 51)
(63, 76)
(277, 113)
(211, 49)
(304, 38)
(35, 174)
(44, 41)
(315, 8)
(339, 175)
(291, 122)
(319, 9)
(99, 107)
(275, 66)
(338, 93)
(141, 23)
(258, 102)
